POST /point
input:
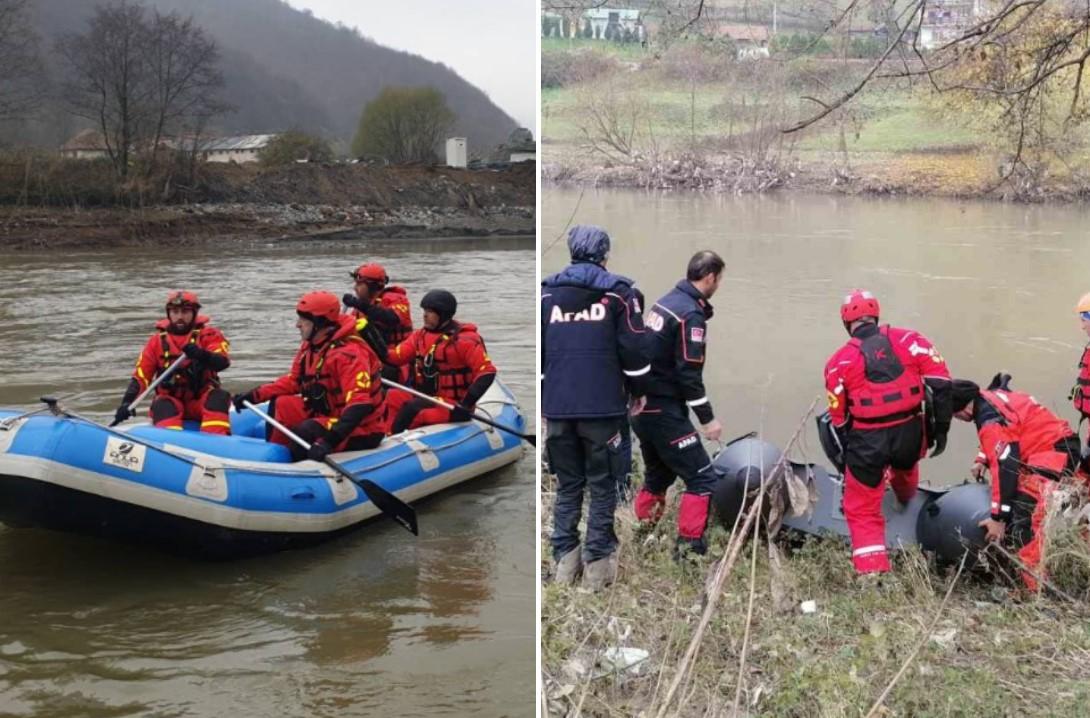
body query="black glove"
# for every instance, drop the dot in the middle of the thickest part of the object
(460, 413)
(121, 414)
(195, 353)
(940, 444)
(237, 400)
(351, 300)
(319, 450)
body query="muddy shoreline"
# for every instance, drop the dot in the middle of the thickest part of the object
(35, 228)
(943, 175)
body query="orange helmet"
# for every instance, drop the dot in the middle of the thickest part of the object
(183, 299)
(319, 305)
(1084, 304)
(371, 273)
(858, 303)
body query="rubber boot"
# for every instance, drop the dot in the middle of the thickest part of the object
(569, 567)
(601, 573)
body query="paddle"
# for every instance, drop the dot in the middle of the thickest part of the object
(386, 502)
(529, 438)
(151, 387)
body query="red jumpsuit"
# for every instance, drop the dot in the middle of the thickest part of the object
(187, 390)
(1080, 393)
(389, 313)
(443, 364)
(325, 382)
(1026, 448)
(875, 387)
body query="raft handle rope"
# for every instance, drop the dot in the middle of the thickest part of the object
(51, 405)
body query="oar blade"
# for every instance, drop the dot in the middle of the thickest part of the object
(390, 505)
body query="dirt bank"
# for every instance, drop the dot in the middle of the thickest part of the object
(300, 200)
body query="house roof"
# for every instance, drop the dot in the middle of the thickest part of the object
(236, 143)
(85, 140)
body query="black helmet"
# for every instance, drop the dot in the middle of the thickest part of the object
(441, 302)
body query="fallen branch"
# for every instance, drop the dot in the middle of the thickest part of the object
(724, 569)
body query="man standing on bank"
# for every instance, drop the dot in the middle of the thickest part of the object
(592, 360)
(670, 445)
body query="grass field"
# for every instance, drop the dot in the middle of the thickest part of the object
(990, 651)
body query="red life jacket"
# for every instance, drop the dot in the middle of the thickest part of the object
(1080, 393)
(396, 299)
(440, 367)
(892, 388)
(1036, 429)
(184, 381)
(321, 390)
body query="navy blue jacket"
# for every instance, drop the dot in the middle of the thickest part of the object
(591, 344)
(676, 337)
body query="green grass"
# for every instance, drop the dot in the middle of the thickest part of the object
(988, 655)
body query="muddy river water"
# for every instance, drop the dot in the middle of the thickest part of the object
(374, 623)
(992, 285)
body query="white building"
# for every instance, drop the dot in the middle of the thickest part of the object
(456, 152)
(86, 145)
(242, 148)
(946, 20)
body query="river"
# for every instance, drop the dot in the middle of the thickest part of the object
(376, 622)
(992, 285)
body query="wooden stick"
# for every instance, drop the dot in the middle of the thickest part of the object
(722, 572)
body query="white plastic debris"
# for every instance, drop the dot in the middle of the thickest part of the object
(622, 658)
(808, 607)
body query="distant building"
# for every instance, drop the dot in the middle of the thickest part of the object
(456, 152)
(241, 148)
(946, 20)
(86, 145)
(751, 40)
(618, 24)
(520, 146)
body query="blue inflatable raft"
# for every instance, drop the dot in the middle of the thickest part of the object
(224, 497)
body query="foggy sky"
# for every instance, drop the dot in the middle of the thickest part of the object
(490, 43)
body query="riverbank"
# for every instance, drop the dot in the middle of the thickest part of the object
(302, 200)
(985, 651)
(693, 118)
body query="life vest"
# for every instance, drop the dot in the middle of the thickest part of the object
(185, 380)
(396, 299)
(1080, 393)
(892, 387)
(1036, 429)
(439, 368)
(321, 391)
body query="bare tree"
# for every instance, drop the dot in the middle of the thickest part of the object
(1018, 65)
(185, 77)
(139, 77)
(21, 71)
(109, 81)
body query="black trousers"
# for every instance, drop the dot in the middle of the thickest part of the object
(585, 454)
(671, 448)
(868, 452)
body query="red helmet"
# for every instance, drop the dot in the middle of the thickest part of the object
(183, 299)
(858, 303)
(371, 273)
(319, 305)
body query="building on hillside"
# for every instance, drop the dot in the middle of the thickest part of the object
(456, 152)
(86, 145)
(241, 148)
(946, 20)
(751, 40)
